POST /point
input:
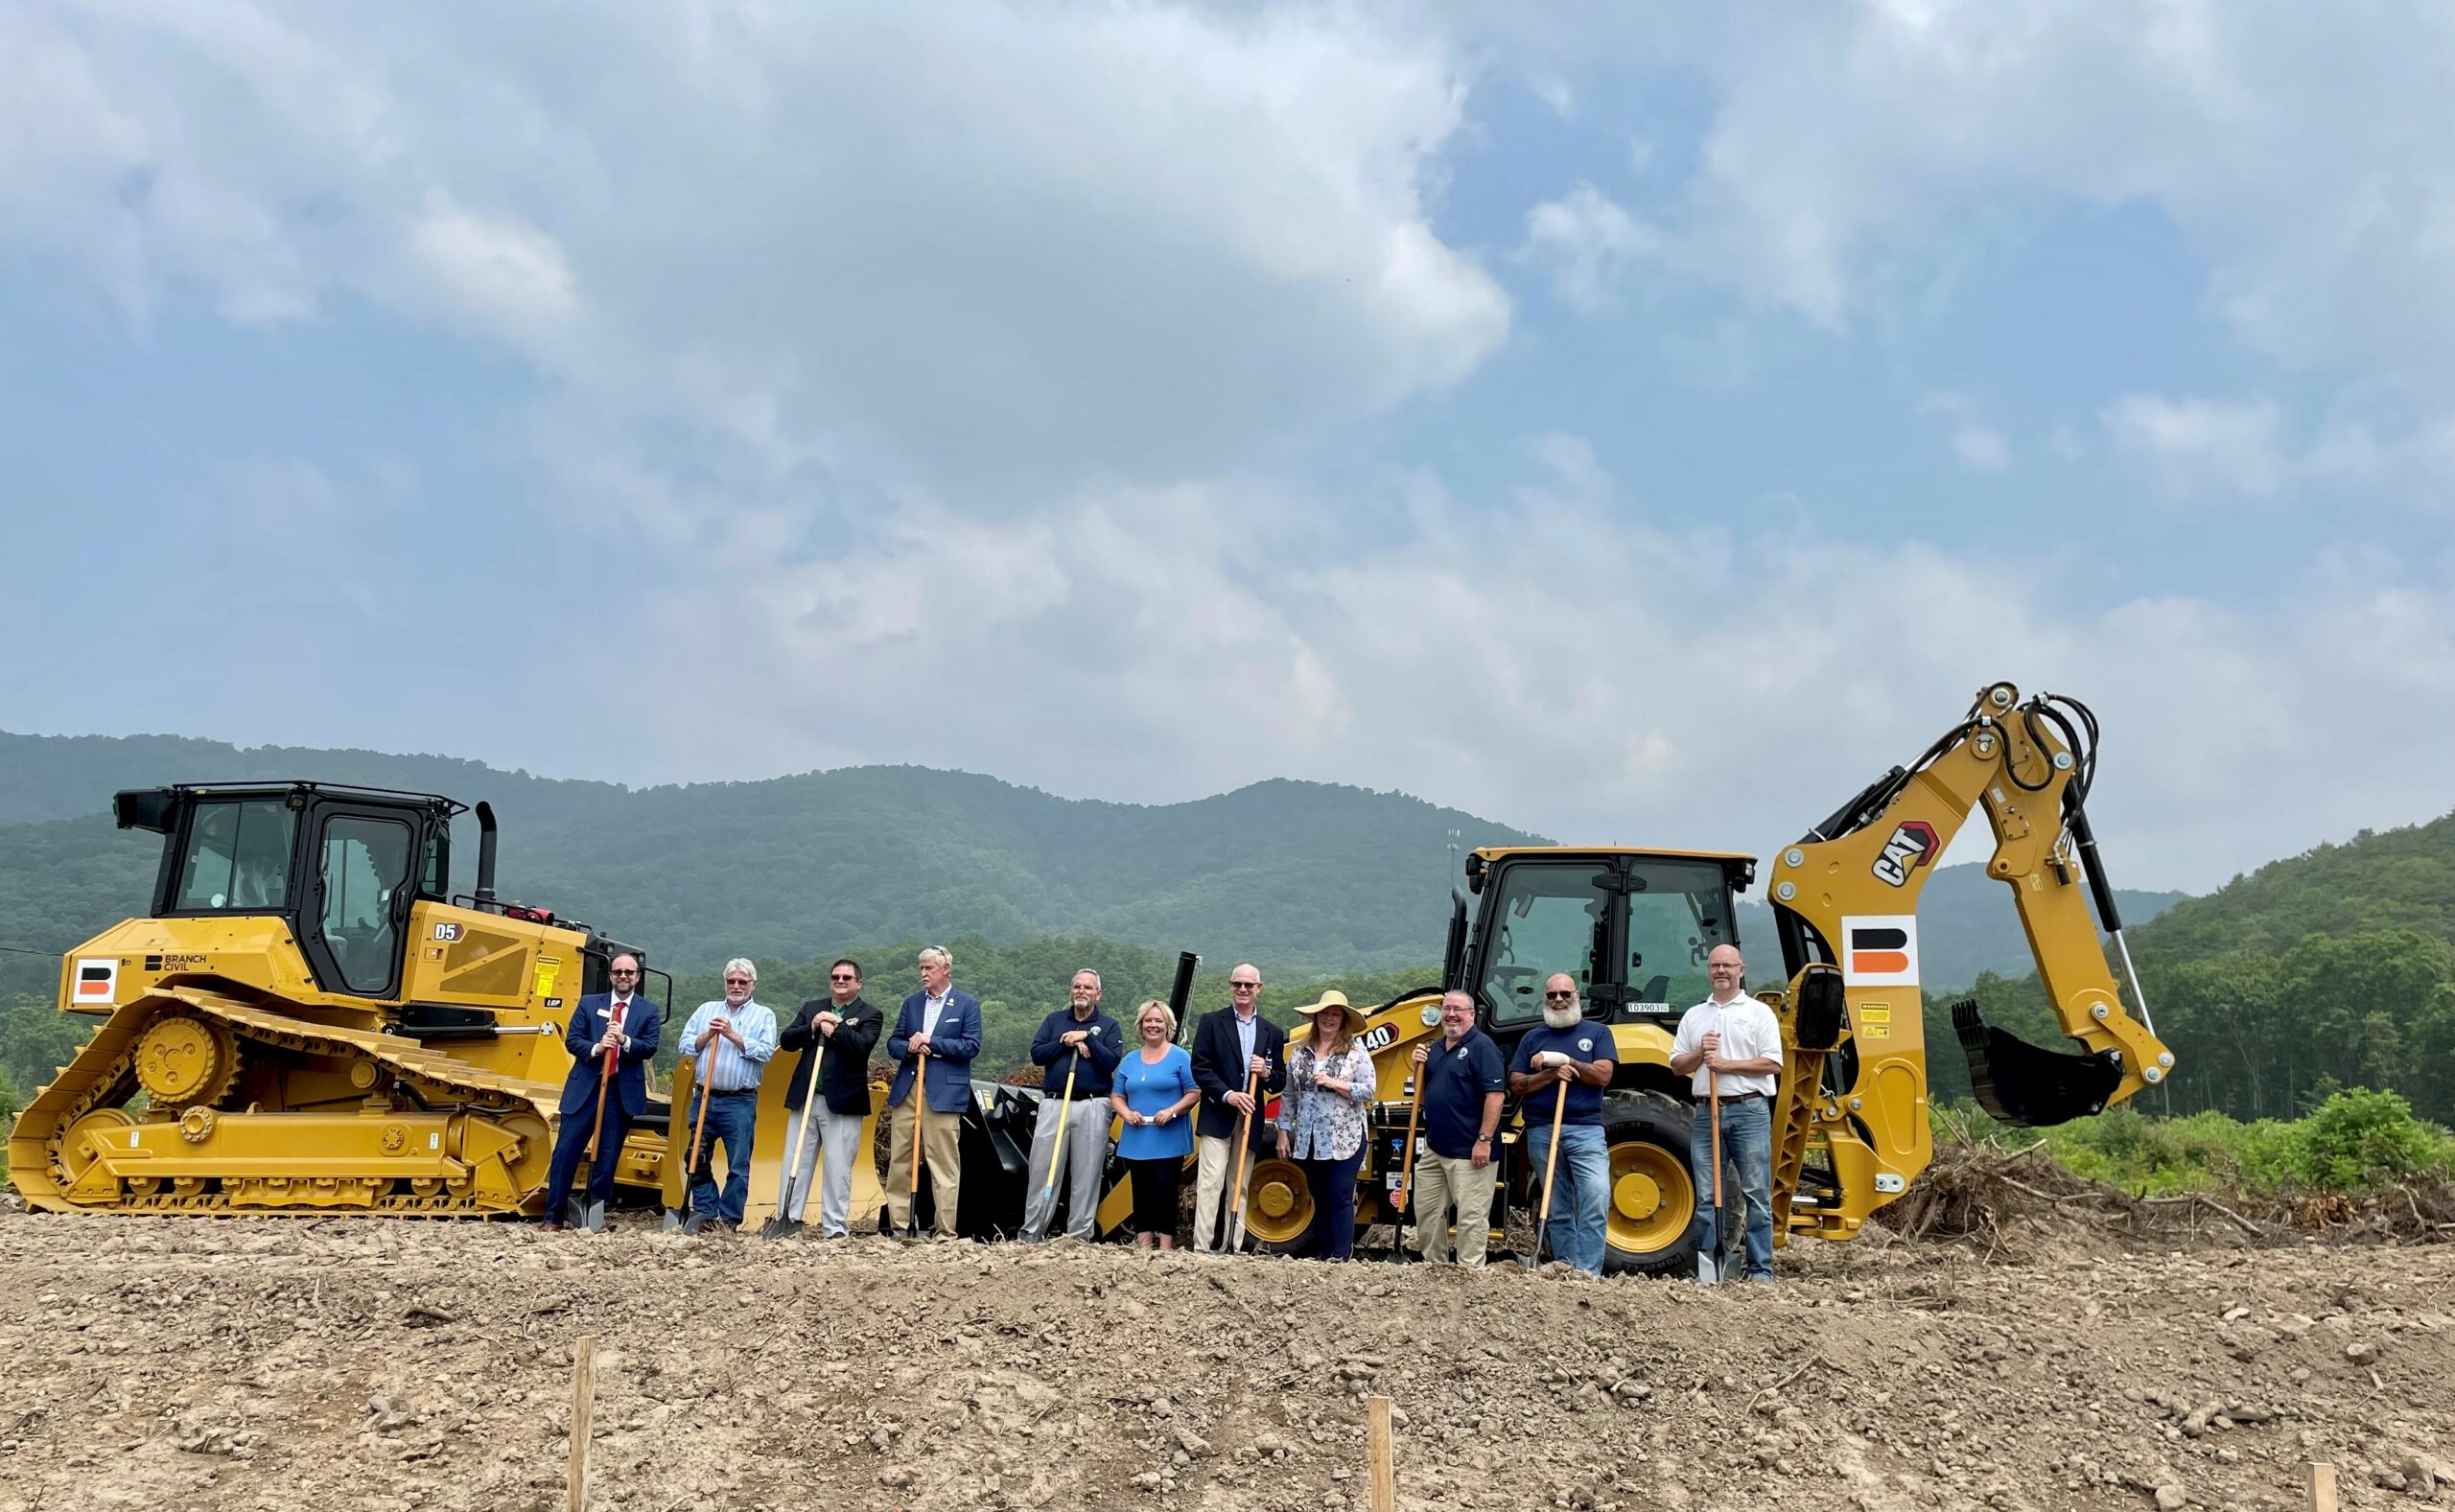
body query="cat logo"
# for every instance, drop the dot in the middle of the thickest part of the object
(1880, 950)
(1913, 845)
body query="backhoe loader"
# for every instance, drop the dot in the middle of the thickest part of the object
(1633, 928)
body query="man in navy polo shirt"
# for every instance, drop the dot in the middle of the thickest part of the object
(1462, 1080)
(1569, 1058)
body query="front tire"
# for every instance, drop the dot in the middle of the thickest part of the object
(1649, 1225)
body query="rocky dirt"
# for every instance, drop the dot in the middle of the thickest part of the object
(288, 1364)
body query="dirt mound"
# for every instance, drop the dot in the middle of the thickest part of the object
(279, 1365)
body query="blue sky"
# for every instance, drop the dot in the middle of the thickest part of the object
(1633, 422)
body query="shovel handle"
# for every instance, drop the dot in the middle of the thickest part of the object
(1407, 1160)
(1244, 1149)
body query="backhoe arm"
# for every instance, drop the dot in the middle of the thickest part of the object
(1845, 902)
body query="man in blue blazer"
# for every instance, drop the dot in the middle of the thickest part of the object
(625, 1023)
(938, 1031)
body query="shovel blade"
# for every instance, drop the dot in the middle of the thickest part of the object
(1709, 1269)
(593, 1218)
(781, 1228)
(2020, 1085)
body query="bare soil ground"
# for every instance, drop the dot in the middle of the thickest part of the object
(291, 1364)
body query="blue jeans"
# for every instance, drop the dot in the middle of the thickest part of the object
(731, 1121)
(1579, 1213)
(1332, 1183)
(1748, 1144)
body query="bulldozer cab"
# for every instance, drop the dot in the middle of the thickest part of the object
(1632, 927)
(340, 865)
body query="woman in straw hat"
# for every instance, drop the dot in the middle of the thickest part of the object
(1320, 1119)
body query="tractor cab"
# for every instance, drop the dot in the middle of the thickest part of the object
(1632, 927)
(340, 865)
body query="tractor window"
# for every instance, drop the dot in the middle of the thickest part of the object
(365, 863)
(237, 859)
(1679, 916)
(1545, 921)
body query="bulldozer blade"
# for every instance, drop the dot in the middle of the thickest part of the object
(2027, 1088)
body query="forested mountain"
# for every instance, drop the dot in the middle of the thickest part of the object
(2333, 967)
(1313, 879)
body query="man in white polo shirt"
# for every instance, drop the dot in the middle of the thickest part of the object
(1730, 1043)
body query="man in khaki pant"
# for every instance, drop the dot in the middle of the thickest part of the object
(935, 1037)
(1461, 1078)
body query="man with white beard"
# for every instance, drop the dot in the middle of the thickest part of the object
(1569, 1058)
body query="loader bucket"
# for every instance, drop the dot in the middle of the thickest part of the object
(2026, 1086)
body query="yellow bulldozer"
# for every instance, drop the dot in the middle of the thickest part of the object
(308, 1019)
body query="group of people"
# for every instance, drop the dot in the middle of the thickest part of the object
(1171, 1102)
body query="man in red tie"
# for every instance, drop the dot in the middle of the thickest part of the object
(620, 1026)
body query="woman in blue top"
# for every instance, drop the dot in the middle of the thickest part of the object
(1152, 1091)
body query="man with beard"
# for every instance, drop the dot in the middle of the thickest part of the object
(622, 1024)
(840, 1029)
(1077, 1047)
(1730, 1048)
(1568, 1058)
(730, 1041)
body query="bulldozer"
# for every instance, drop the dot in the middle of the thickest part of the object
(308, 1019)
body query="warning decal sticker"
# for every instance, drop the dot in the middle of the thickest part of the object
(1880, 950)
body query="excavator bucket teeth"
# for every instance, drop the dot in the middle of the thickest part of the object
(2026, 1086)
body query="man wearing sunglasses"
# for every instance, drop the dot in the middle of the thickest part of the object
(843, 1028)
(1567, 1056)
(624, 1024)
(731, 1040)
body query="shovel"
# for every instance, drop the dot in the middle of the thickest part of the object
(1407, 1176)
(1232, 1238)
(1709, 1255)
(684, 1218)
(919, 1144)
(785, 1226)
(1550, 1164)
(584, 1212)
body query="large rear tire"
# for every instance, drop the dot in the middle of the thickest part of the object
(1651, 1223)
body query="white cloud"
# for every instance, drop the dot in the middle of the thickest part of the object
(983, 240)
(1548, 663)
(499, 270)
(1586, 241)
(2193, 448)
(1980, 446)
(1856, 152)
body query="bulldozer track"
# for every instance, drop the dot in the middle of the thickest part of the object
(105, 1072)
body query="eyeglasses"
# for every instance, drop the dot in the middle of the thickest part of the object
(1244, 987)
(737, 981)
(843, 976)
(622, 971)
(1559, 997)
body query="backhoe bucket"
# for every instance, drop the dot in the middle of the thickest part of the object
(2029, 1087)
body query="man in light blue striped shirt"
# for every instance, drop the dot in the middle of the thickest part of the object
(729, 1043)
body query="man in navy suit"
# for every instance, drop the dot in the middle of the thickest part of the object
(939, 1030)
(624, 1023)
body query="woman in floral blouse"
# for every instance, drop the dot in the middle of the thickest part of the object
(1320, 1119)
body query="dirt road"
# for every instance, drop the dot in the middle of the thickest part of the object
(286, 1364)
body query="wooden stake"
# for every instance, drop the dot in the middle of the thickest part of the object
(2322, 1488)
(1385, 1486)
(583, 1401)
